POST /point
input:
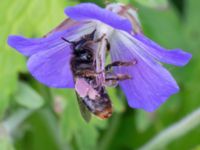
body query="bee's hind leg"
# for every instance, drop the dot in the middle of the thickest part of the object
(87, 73)
(118, 77)
(112, 79)
(119, 63)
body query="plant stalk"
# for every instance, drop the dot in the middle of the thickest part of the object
(174, 132)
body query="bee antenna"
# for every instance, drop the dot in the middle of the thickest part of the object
(66, 40)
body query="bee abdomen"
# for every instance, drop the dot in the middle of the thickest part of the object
(101, 107)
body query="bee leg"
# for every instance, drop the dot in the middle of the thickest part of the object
(90, 36)
(87, 73)
(119, 63)
(89, 41)
(107, 45)
(100, 39)
(119, 77)
(112, 79)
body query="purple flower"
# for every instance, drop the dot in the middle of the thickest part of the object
(151, 85)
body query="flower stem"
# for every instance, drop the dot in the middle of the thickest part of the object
(173, 132)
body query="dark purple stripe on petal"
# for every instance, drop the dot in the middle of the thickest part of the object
(87, 11)
(151, 85)
(175, 56)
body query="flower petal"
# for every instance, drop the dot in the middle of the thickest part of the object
(52, 67)
(29, 47)
(49, 60)
(176, 56)
(86, 11)
(151, 85)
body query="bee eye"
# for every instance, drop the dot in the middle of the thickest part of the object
(85, 57)
(89, 56)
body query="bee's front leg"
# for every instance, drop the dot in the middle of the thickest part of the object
(100, 39)
(107, 42)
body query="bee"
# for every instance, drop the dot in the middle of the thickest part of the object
(92, 97)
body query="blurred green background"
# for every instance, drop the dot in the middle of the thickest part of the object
(35, 117)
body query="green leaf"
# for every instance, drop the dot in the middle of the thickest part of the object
(42, 132)
(116, 99)
(29, 18)
(5, 141)
(192, 31)
(122, 1)
(190, 92)
(197, 148)
(98, 2)
(143, 120)
(28, 97)
(164, 26)
(158, 4)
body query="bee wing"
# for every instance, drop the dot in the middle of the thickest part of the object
(85, 113)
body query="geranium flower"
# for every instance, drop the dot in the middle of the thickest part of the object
(151, 85)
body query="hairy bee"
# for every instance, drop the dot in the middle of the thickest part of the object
(92, 97)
